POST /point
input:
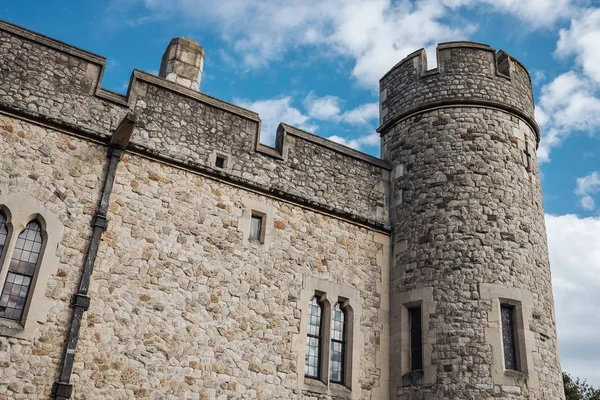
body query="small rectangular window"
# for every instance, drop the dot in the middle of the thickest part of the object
(256, 227)
(508, 336)
(220, 161)
(416, 339)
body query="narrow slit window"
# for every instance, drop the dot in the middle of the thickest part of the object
(3, 233)
(338, 343)
(257, 228)
(312, 362)
(508, 337)
(416, 339)
(21, 271)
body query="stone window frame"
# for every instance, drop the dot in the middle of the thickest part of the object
(329, 294)
(226, 160)
(347, 314)
(251, 208)
(402, 374)
(322, 306)
(20, 209)
(262, 220)
(522, 301)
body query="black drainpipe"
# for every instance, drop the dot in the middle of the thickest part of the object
(62, 389)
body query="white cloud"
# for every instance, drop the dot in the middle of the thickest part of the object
(567, 104)
(274, 111)
(362, 114)
(586, 187)
(371, 139)
(329, 108)
(325, 108)
(571, 101)
(575, 260)
(537, 13)
(588, 184)
(376, 34)
(581, 40)
(588, 203)
(281, 109)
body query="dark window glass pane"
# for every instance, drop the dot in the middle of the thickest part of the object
(256, 227)
(20, 272)
(508, 337)
(313, 340)
(338, 343)
(3, 232)
(416, 339)
(220, 162)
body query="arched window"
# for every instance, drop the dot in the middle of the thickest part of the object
(21, 271)
(312, 365)
(338, 343)
(3, 233)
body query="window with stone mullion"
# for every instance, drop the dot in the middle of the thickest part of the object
(312, 364)
(21, 271)
(338, 344)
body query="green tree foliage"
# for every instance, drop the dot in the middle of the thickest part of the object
(579, 390)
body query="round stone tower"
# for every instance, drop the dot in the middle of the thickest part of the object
(471, 296)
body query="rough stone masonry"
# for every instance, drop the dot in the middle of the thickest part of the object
(183, 302)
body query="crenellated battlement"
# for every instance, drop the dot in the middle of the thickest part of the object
(466, 73)
(60, 85)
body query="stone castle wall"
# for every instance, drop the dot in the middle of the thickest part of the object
(63, 174)
(61, 84)
(182, 304)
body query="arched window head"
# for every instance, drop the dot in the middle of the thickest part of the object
(21, 271)
(3, 233)
(338, 343)
(312, 365)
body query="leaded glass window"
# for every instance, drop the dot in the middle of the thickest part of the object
(508, 336)
(3, 233)
(416, 339)
(21, 271)
(338, 343)
(312, 360)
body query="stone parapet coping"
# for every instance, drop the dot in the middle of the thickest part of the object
(340, 148)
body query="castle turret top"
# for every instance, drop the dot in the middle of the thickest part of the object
(466, 73)
(183, 62)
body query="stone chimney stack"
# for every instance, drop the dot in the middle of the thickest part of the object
(182, 63)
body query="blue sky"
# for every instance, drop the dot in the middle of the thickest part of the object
(315, 64)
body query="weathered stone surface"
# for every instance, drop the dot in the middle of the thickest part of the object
(183, 305)
(185, 126)
(471, 213)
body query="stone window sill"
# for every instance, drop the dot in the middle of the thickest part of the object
(413, 378)
(333, 389)
(10, 328)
